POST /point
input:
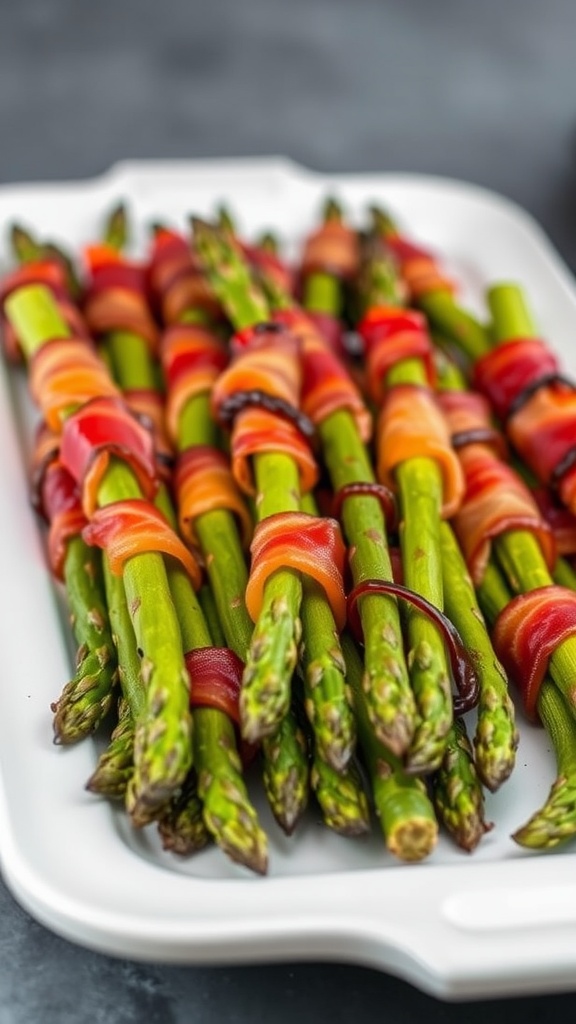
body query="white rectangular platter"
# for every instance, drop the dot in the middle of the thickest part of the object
(497, 922)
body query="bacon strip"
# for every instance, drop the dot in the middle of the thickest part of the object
(147, 405)
(332, 249)
(61, 504)
(203, 482)
(260, 432)
(175, 280)
(116, 296)
(469, 420)
(495, 501)
(192, 359)
(526, 634)
(391, 335)
(215, 675)
(543, 432)
(132, 527)
(326, 384)
(419, 268)
(300, 541)
(561, 520)
(411, 425)
(511, 371)
(215, 680)
(50, 273)
(45, 451)
(65, 373)
(98, 430)
(267, 359)
(270, 265)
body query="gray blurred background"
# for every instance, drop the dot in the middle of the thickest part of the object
(479, 91)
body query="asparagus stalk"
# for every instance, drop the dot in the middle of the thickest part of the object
(555, 821)
(390, 698)
(284, 753)
(440, 306)
(285, 762)
(271, 660)
(88, 696)
(162, 741)
(115, 766)
(386, 681)
(420, 492)
(404, 810)
(227, 812)
(519, 554)
(496, 737)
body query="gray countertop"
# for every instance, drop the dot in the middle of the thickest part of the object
(483, 92)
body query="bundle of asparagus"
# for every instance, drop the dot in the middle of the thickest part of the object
(273, 635)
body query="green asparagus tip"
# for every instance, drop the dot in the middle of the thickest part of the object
(382, 222)
(23, 244)
(286, 773)
(116, 228)
(181, 827)
(555, 822)
(333, 210)
(233, 823)
(268, 242)
(342, 798)
(225, 220)
(86, 699)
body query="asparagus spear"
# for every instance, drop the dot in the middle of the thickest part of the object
(457, 792)
(555, 821)
(404, 810)
(390, 699)
(284, 753)
(116, 765)
(88, 696)
(518, 553)
(496, 737)
(420, 492)
(341, 797)
(227, 811)
(181, 825)
(440, 306)
(162, 742)
(266, 688)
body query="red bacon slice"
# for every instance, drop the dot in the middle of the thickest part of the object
(526, 634)
(127, 528)
(97, 431)
(495, 501)
(300, 541)
(203, 482)
(66, 373)
(411, 425)
(116, 297)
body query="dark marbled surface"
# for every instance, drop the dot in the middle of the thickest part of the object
(483, 92)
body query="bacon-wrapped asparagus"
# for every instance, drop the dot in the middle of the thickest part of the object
(268, 442)
(213, 515)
